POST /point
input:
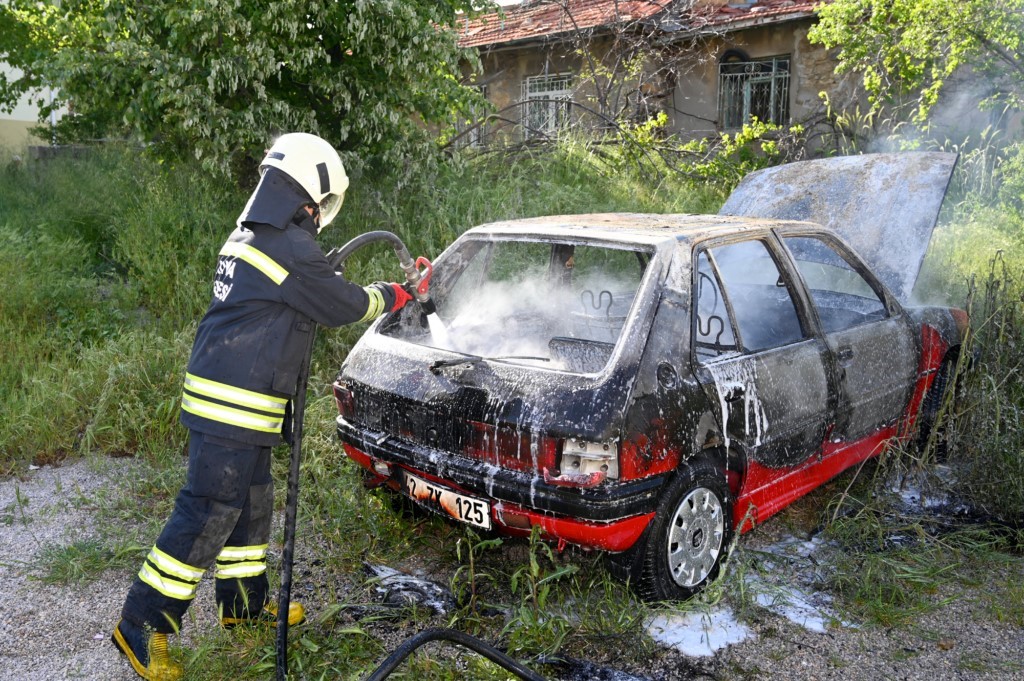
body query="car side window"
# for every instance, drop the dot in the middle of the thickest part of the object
(743, 283)
(712, 335)
(757, 294)
(842, 296)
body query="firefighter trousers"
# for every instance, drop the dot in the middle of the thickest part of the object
(222, 515)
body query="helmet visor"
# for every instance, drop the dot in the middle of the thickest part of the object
(329, 208)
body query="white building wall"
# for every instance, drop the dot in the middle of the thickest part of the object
(15, 126)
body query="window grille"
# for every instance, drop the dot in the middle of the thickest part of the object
(753, 89)
(546, 104)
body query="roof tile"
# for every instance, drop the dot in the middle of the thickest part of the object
(542, 18)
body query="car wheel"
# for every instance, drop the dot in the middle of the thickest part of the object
(689, 536)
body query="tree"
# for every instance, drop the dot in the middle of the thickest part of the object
(907, 50)
(218, 78)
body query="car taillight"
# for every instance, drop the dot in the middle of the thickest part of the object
(345, 401)
(509, 447)
(580, 457)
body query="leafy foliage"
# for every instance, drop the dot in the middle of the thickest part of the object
(907, 50)
(1011, 180)
(218, 78)
(726, 160)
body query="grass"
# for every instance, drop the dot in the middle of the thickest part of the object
(85, 560)
(1006, 604)
(895, 567)
(14, 512)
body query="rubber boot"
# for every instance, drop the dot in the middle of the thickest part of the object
(268, 616)
(146, 650)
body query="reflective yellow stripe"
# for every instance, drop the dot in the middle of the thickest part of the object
(257, 259)
(376, 305)
(243, 552)
(168, 587)
(237, 570)
(239, 396)
(174, 567)
(233, 417)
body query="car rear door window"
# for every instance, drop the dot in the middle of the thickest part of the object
(842, 296)
(713, 334)
(756, 295)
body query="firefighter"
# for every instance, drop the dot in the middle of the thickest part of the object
(272, 281)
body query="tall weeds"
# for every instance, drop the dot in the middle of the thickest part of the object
(986, 422)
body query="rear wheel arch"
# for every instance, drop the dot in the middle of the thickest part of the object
(732, 462)
(709, 444)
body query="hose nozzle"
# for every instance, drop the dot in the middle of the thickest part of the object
(419, 281)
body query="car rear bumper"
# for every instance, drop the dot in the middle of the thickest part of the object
(610, 517)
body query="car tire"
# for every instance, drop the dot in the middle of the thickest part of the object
(682, 550)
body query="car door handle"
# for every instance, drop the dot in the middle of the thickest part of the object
(844, 354)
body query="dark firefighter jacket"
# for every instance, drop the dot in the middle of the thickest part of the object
(271, 280)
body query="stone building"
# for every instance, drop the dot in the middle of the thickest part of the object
(709, 65)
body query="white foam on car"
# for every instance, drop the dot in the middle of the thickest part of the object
(730, 377)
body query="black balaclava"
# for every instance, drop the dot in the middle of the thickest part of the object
(276, 201)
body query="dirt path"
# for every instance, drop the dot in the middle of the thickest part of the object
(50, 632)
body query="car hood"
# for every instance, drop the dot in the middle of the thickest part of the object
(884, 205)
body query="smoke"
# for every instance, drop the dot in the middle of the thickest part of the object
(969, 113)
(520, 317)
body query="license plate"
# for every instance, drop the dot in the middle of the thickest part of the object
(466, 509)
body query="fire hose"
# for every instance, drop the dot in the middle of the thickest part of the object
(413, 642)
(419, 282)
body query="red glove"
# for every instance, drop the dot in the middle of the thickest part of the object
(402, 296)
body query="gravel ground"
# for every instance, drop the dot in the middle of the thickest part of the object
(50, 632)
(57, 632)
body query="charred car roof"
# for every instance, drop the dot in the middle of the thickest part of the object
(631, 228)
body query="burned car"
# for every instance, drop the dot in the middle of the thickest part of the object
(648, 385)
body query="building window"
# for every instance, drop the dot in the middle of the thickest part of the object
(757, 88)
(472, 132)
(546, 104)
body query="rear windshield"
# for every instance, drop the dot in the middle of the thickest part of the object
(558, 305)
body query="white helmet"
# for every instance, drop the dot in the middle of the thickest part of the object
(315, 165)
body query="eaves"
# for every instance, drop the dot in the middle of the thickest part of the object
(735, 26)
(549, 39)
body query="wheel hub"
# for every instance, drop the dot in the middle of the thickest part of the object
(695, 537)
